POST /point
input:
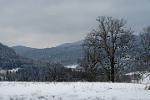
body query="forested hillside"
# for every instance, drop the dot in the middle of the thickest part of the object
(16, 68)
(66, 54)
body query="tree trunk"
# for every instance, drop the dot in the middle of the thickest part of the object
(112, 70)
(109, 76)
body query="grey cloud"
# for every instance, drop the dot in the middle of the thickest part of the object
(63, 20)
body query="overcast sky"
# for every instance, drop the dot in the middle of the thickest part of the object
(47, 23)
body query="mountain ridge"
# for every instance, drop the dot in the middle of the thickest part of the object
(67, 53)
(9, 59)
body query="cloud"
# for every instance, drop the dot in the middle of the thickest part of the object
(46, 23)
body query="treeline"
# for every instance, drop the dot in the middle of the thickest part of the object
(52, 72)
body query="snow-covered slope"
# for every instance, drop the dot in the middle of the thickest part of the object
(72, 91)
(145, 78)
(72, 66)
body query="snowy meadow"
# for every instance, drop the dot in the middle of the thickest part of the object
(72, 91)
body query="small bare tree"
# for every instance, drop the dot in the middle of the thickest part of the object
(145, 39)
(107, 44)
(145, 55)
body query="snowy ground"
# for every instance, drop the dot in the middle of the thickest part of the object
(72, 91)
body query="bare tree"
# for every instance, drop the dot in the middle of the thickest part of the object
(145, 55)
(90, 60)
(145, 39)
(107, 44)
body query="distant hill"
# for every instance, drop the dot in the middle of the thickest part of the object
(22, 49)
(9, 59)
(6, 52)
(67, 54)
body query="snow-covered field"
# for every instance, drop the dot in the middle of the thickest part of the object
(72, 91)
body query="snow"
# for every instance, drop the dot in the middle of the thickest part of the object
(72, 91)
(3, 71)
(133, 73)
(10, 70)
(145, 78)
(72, 66)
(14, 70)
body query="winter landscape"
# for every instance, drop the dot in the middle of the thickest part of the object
(74, 50)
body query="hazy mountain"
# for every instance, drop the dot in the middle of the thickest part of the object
(9, 59)
(6, 52)
(22, 49)
(68, 53)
